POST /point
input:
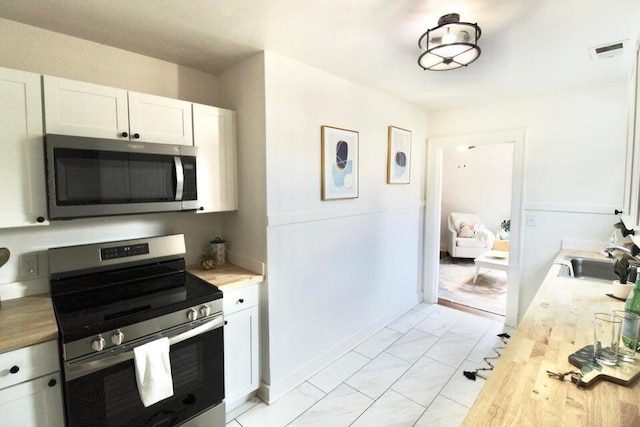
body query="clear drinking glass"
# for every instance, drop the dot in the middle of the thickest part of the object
(628, 334)
(606, 337)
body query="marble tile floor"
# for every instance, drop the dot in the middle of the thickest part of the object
(407, 374)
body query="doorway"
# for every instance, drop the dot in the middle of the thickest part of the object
(475, 223)
(435, 151)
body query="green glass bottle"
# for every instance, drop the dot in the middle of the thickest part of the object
(632, 305)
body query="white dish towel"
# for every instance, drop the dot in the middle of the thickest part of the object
(153, 371)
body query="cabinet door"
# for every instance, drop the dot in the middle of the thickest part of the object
(85, 109)
(22, 177)
(160, 120)
(215, 136)
(241, 354)
(632, 176)
(28, 362)
(35, 403)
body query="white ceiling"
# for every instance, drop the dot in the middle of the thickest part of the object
(528, 46)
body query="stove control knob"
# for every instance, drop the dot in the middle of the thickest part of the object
(192, 314)
(117, 338)
(205, 311)
(98, 343)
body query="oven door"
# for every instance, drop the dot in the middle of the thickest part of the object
(109, 396)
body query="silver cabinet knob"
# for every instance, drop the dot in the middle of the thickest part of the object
(98, 343)
(192, 314)
(205, 311)
(117, 338)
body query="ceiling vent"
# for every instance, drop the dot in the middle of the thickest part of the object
(608, 50)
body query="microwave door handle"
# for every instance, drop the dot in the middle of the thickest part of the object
(177, 162)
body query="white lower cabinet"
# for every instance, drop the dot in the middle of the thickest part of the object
(241, 353)
(30, 387)
(36, 403)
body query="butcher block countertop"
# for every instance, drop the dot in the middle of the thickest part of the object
(227, 276)
(26, 321)
(558, 322)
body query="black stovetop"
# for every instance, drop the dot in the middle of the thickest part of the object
(90, 304)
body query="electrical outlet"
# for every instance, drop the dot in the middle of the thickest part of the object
(28, 265)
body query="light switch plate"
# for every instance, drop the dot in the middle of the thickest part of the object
(531, 220)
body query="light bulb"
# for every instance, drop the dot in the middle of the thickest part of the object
(449, 38)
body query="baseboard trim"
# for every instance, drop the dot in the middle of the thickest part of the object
(272, 392)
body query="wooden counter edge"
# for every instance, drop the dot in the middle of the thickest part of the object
(27, 321)
(227, 276)
(491, 408)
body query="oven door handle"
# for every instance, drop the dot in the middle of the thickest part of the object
(94, 363)
(206, 327)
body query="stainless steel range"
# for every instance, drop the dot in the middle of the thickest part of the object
(110, 298)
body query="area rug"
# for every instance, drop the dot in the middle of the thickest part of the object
(456, 285)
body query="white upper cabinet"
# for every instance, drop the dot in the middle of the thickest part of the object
(632, 177)
(86, 109)
(160, 120)
(22, 191)
(214, 133)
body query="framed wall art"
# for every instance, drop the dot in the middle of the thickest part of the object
(399, 157)
(339, 163)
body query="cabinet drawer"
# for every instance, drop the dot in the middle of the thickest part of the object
(239, 299)
(28, 362)
(34, 403)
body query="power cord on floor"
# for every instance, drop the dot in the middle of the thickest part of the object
(504, 337)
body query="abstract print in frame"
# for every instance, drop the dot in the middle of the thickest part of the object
(339, 163)
(399, 159)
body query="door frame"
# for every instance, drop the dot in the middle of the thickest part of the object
(431, 261)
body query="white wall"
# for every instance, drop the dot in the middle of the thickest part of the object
(574, 165)
(198, 230)
(40, 51)
(44, 52)
(477, 181)
(242, 89)
(338, 270)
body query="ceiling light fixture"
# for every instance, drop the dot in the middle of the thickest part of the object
(450, 45)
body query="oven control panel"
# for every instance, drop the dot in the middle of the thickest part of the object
(121, 338)
(124, 251)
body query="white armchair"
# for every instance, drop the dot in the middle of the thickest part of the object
(471, 242)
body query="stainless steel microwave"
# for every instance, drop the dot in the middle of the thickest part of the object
(88, 177)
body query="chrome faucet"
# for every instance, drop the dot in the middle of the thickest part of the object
(610, 249)
(633, 253)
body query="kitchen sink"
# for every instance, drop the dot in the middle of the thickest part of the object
(593, 269)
